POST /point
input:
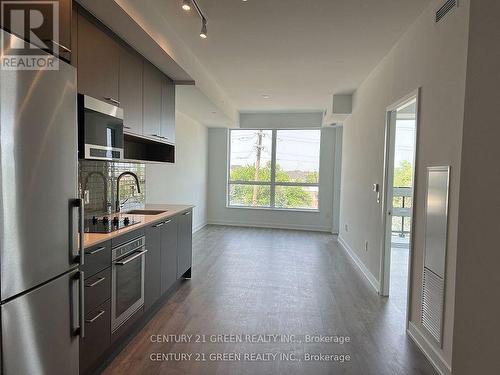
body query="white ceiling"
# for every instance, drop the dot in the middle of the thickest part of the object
(194, 103)
(298, 52)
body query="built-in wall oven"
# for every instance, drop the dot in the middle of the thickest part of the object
(127, 293)
(100, 129)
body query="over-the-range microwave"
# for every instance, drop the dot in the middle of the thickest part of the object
(100, 127)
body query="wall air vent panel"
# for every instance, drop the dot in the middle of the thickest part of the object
(432, 304)
(445, 9)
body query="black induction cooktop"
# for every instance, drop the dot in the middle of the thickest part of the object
(107, 224)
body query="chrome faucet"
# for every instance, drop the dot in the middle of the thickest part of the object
(118, 206)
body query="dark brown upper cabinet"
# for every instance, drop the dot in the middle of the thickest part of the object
(131, 90)
(152, 101)
(46, 39)
(98, 62)
(167, 125)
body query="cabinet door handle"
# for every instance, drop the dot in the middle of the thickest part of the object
(134, 257)
(187, 213)
(109, 99)
(97, 282)
(168, 221)
(99, 314)
(158, 225)
(95, 251)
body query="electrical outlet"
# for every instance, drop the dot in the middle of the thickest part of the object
(86, 196)
(366, 245)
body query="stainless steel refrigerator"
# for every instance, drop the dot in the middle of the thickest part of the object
(40, 223)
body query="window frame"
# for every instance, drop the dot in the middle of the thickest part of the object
(272, 184)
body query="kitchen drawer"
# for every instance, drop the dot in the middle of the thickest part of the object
(97, 290)
(124, 238)
(97, 337)
(97, 258)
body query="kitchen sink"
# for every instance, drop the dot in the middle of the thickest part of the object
(146, 212)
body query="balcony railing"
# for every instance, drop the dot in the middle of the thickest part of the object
(402, 211)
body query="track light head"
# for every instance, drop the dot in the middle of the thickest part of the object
(203, 32)
(186, 5)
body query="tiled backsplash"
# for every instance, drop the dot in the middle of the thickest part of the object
(98, 178)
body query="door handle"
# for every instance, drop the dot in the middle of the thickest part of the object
(75, 313)
(77, 250)
(99, 314)
(134, 257)
(97, 282)
(82, 305)
(81, 208)
(168, 221)
(158, 225)
(80, 328)
(187, 213)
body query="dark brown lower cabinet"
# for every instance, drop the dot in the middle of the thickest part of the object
(161, 260)
(152, 278)
(97, 337)
(97, 290)
(169, 254)
(185, 243)
(168, 258)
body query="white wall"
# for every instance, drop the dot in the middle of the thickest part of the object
(476, 344)
(433, 57)
(184, 182)
(218, 213)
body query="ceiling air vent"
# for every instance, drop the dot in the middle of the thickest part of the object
(445, 9)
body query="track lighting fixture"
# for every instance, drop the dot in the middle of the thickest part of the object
(186, 5)
(203, 32)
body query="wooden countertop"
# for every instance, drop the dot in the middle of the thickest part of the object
(91, 239)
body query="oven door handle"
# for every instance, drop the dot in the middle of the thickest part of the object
(130, 259)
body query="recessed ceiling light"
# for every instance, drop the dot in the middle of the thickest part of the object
(186, 5)
(266, 96)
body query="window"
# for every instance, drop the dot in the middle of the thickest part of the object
(274, 169)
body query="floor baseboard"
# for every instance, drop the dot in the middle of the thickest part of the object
(429, 351)
(364, 270)
(200, 227)
(270, 226)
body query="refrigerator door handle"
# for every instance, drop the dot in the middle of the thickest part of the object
(81, 304)
(77, 254)
(76, 313)
(81, 234)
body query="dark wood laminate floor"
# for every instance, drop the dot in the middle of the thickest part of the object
(267, 281)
